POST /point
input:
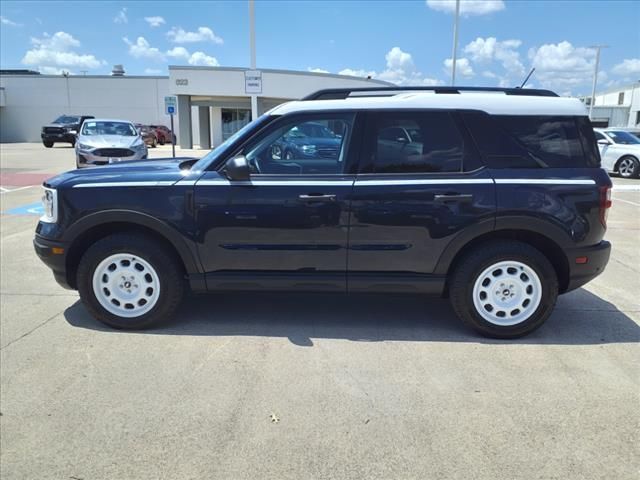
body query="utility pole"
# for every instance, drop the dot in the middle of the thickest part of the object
(252, 47)
(597, 48)
(454, 55)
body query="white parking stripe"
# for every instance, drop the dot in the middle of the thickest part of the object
(626, 188)
(9, 190)
(617, 199)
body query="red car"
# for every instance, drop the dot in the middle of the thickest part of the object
(164, 134)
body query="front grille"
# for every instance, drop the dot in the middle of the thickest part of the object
(328, 152)
(113, 152)
(53, 130)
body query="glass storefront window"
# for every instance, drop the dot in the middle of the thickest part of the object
(233, 119)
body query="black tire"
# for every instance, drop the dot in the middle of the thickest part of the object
(154, 142)
(471, 266)
(163, 261)
(73, 142)
(631, 167)
(48, 144)
(161, 141)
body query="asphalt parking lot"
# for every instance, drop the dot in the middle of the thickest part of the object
(310, 386)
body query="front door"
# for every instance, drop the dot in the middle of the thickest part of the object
(412, 198)
(287, 227)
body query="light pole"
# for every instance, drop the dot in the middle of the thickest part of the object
(252, 47)
(455, 43)
(595, 76)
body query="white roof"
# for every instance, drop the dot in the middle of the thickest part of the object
(496, 103)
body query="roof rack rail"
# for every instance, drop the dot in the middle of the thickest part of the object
(342, 93)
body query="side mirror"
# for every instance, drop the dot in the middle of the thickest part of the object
(237, 168)
(604, 142)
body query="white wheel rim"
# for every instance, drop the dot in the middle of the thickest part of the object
(626, 166)
(507, 293)
(126, 285)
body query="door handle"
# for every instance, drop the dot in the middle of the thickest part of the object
(454, 197)
(317, 198)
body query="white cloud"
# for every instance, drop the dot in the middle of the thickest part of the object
(200, 58)
(489, 74)
(204, 34)
(467, 7)
(317, 70)
(400, 70)
(486, 50)
(152, 71)
(178, 52)
(142, 49)
(562, 66)
(121, 17)
(55, 52)
(463, 67)
(154, 21)
(6, 21)
(628, 67)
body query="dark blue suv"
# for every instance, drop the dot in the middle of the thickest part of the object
(492, 197)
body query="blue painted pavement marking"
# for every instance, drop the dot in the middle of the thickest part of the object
(29, 209)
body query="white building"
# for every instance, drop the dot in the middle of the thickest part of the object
(616, 107)
(213, 102)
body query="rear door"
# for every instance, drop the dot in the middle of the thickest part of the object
(420, 188)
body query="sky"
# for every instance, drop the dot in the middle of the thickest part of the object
(404, 42)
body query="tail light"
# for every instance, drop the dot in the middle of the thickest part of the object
(605, 204)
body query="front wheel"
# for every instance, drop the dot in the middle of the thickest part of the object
(130, 281)
(504, 289)
(48, 144)
(629, 167)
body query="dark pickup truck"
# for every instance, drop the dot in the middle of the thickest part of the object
(63, 130)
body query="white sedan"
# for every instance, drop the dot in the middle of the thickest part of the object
(620, 152)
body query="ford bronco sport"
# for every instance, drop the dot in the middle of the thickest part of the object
(491, 197)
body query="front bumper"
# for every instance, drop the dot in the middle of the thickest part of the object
(86, 158)
(582, 273)
(56, 260)
(58, 137)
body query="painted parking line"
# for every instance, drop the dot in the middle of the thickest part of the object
(626, 188)
(35, 208)
(618, 199)
(9, 190)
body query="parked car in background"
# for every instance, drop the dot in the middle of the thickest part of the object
(310, 140)
(148, 134)
(103, 141)
(164, 134)
(620, 151)
(63, 129)
(494, 199)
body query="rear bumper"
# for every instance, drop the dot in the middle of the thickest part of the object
(55, 261)
(580, 274)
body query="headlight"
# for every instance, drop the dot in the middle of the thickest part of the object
(139, 146)
(309, 148)
(73, 132)
(50, 204)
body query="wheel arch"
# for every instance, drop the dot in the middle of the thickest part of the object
(93, 227)
(545, 244)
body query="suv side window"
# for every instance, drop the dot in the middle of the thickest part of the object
(413, 142)
(305, 146)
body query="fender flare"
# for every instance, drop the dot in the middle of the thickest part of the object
(530, 224)
(185, 248)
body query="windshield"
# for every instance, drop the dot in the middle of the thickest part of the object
(65, 119)
(122, 129)
(217, 152)
(624, 138)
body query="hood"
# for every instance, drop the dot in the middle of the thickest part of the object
(107, 141)
(159, 170)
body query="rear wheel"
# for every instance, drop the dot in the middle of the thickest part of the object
(154, 142)
(48, 144)
(130, 281)
(161, 140)
(629, 167)
(504, 289)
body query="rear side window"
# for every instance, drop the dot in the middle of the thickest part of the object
(526, 141)
(413, 142)
(552, 141)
